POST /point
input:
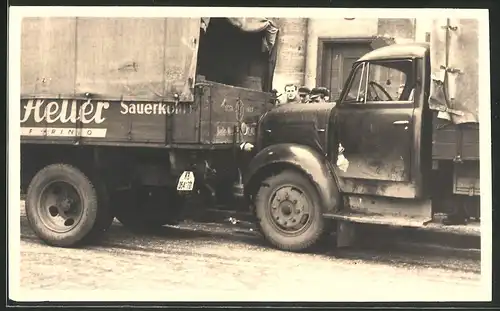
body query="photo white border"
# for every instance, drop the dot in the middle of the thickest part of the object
(15, 14)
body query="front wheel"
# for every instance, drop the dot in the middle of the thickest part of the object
(289, 212)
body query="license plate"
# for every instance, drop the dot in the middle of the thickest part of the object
(186, 181)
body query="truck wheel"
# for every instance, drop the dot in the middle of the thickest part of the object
(106, 217)
(143, 210)
(62, 206)
(289, 213)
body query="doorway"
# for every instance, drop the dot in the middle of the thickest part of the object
(335, 63)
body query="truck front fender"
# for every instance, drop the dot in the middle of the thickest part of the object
(308, 161)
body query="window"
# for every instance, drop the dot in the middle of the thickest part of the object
(388, 81)
(356, 89)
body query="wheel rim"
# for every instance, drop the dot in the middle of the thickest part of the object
(60, 207)
(290, 210)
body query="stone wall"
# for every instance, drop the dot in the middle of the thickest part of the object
(298, 43)
(333, 28)
(401, 29)
(290, 65)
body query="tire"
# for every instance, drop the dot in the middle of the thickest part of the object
(133, 212)
(57, 221)
(105, 216)
(291, 184)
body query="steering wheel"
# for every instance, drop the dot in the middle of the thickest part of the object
(372, 84)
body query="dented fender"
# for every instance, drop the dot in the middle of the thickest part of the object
(303, 158)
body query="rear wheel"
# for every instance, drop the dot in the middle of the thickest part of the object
(289, 212)
(147, 208)
(65, 208)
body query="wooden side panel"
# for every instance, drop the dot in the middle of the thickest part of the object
(450, 140)
(120, 57)
(41, 119)
(226, 108)
(102, 121)
(466, 178)
(184, 125)
(181, 51)
(118, 125)
(142, 122)
(48, 56)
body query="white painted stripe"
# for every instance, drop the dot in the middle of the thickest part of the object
(63, 132)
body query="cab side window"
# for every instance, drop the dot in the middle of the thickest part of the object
(390, 81)
(355, 92)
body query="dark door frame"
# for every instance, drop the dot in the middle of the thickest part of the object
(375, 42)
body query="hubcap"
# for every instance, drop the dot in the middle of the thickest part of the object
(290, 210)
(60, 207)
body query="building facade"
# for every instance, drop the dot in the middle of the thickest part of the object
(320, 52)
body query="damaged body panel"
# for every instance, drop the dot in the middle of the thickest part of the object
(379, 121)
(374, 145)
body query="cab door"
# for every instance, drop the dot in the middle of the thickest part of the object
(376, 126)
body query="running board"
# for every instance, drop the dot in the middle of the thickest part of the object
(472, 229)
(398, 213)
(411, 214)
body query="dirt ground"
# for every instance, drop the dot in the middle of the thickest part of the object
(230, 262)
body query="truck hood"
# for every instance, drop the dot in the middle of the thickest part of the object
(297, 123)
(292, 113)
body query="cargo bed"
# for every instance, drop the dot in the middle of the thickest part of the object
(219, 115)
(137, 82)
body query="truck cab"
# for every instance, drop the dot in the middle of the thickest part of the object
(382, 122)
(368, 157)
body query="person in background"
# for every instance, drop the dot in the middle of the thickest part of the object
(304, 94)
(327, 96)
(319, 94)
(291, 94)
(314, 97)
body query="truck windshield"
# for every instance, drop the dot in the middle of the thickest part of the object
(381, 81)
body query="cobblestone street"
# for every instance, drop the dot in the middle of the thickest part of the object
(224, 262)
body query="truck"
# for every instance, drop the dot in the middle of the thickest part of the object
(400, 146)
(131, 118)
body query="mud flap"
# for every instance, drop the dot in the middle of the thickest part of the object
(346, 233)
